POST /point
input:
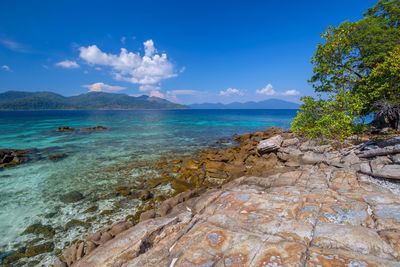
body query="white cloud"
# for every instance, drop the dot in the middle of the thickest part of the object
(148, 71)
(68, 64)
(267, 90)
(102, 87)
(231, 91)
(14, 46)
(6, 68)
(291, 92)
(156, 94)
(123, 39)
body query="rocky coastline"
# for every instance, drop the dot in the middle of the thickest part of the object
(273, 198)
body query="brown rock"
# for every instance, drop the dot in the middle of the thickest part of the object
(105, 237)
(147, 215)
(90, 246)
(145, 195)
(79, 251)
(70, 254)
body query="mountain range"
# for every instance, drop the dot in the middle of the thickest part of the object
(265, 104)
(18, 100)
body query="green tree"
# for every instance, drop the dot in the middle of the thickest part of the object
(352, 70)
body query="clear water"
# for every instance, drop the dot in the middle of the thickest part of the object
(30, 193)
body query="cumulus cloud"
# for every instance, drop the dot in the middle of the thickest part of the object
(148, 70)
(231, 91)
(267, 90)
(6, 68)
(291, 92)
(68, 64)
(102, 87)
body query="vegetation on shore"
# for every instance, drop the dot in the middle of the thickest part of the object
(356, 73)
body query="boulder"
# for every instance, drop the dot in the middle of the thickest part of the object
(147, 215)
(389, 171)
(290, 142)
(269, 145)
(379, 162)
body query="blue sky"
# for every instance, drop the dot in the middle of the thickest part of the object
(185, 51)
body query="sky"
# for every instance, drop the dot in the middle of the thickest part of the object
(185, 51)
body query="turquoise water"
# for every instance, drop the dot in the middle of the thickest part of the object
(30, 193)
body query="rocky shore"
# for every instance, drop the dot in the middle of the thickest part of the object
(293, 203)
(273, 199)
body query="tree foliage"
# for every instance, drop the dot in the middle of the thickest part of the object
(356, 65)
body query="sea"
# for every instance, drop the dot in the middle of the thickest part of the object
(96, 162)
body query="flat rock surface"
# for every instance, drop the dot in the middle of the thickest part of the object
(318, 215)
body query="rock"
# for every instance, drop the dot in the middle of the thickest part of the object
(147, 215)
(70, 255)
(291, 156)
(106, 212)
(71, 197)
(145, 195)
(79, 251)
(65, 129)
(39, 249)
(396, 158)
(105, 237)
(379, 162)
(59, 263)
(75, 223)
(40, 229)
(90, 246)
(351, 159)
(290, 142)
(365, 168)
(322, 149)
(272, 131)
(270, 145)
(97, 128)
(214, 166)
(94, 237)
(389, 171)
(235, 171)
(312, 158)
(57, 157)
(192, 164)
(120, 227)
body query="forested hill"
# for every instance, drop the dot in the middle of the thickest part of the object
(17, 100)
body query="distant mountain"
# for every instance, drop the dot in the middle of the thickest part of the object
(16, 100)
(265, 104)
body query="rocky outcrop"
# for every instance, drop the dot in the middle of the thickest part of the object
(65, 129)
(96, 128)
(316, 215)
(9, 157)
(316, 208)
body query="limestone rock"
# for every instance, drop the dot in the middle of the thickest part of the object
(269, 145)
(290, 142)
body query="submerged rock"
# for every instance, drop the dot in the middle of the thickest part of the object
(56, 157)
(97, 128)
(71, 197)
(65, 129)
(40, 229)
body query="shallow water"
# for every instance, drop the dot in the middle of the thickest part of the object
(30, 193)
